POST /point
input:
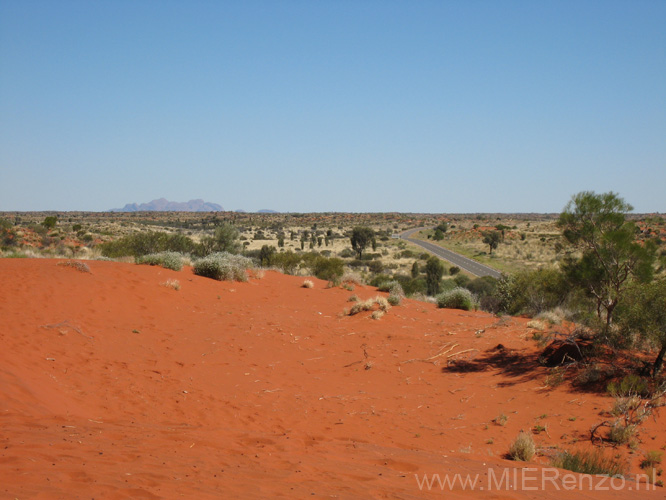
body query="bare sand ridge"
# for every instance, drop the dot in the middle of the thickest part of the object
(115, 386)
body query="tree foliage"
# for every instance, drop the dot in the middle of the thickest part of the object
(492, 239)
(644, 312)
(609, 256)
(225, 239)
(361, 237)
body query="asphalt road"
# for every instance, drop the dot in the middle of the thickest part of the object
(469, 265)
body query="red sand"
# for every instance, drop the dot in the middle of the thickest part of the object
(113, 386)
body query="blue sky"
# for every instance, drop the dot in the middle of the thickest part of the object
(351, 106)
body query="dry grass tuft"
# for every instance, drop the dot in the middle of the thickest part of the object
(174, 284)
(307, 284)
(523, 448)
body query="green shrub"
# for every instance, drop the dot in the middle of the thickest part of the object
(385, 286)
(589, 462)
(458, 298)
(223, 266)
(287, 261)
(326, 268)
(146, 243)
(169, 260)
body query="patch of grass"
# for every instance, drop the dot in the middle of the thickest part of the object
(652, 459)
(631, 385)
(353, 298)
(523, 448)
(501, 419)
(589, 462)
(307, 284)
(168, 260)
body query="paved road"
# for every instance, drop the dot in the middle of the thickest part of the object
(469, 265)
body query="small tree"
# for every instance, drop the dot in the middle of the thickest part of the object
(225, 239)
(596, 226)
(415, 270)
(50, 221)
(362, 237)
(492, 239)
(266, 255)
(434, 271)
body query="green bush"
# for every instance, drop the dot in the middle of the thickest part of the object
(223, 266)
(458, 298)
(169, 260)
(532, 292)
(385, 286)
(287, 261)
(325, 268)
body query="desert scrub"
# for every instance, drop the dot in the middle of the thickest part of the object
(223, 266)
(621, 433)
(369, 305)
(523, 447)
(307, 284)
(79, 266)
(358, 307)
(386, 286)
(377, 314)
(168, 260)
(353, 298)
(501, 419)
(458, 298)
(589, 462)
(394, 300)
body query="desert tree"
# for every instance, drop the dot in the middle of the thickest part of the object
(361, 237)
(608, 254)
(415, 270)
(434, 270)
(492, 239)
(224, 239)
(266, 255)
(50, 221)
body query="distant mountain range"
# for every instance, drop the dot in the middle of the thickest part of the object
(164, 205)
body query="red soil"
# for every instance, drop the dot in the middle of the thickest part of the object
(113, 386)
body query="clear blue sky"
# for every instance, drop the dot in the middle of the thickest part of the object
(332, 105)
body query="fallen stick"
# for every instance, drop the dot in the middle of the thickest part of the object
(456, 353)
(426, 360)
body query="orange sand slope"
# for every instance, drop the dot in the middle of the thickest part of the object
(115, 386)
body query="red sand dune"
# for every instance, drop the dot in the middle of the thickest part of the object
(114, 386)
